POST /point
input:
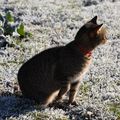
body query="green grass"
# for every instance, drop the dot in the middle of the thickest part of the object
(44, 116)
(84, 88)
(115, 109)
(40, 116)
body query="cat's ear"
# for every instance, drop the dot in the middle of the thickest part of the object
(97, 28)
(94, 20)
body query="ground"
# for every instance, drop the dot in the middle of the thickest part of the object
(54, 23)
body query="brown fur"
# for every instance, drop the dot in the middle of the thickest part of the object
(53, 72)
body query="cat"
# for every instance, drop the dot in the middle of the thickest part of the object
(47, 76)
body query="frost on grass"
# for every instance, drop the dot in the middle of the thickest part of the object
(55, 23)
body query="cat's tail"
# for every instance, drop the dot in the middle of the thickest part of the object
(17, 91)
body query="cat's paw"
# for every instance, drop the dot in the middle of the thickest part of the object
(43, 107)
(40, 107)
(58, 99)
(73, 103)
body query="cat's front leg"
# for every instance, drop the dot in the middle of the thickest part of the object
(64, 88)
(73, 91)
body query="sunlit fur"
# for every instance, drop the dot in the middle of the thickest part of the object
(102, 36)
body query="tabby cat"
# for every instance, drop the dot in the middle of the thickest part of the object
(50, 74)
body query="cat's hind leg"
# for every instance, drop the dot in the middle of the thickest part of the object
(47, 99)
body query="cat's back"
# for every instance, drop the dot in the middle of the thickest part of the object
(35, 77)
(40, 63)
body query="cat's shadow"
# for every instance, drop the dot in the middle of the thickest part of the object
(14, 106)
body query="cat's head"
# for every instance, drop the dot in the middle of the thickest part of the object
(91, 34)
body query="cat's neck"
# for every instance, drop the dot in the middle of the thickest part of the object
(84, 50)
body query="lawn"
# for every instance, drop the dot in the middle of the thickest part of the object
(54, 23)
